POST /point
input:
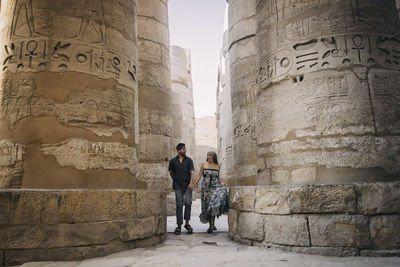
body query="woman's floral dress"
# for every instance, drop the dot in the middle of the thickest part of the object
(214, 196)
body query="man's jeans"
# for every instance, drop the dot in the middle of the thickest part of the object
(180, 198)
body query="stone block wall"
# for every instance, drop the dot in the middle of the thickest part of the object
(333, 220)
(47, 225)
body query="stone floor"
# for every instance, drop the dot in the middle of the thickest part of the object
(202, 249)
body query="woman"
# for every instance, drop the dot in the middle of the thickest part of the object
(214, 195)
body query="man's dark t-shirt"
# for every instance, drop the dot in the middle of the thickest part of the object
(181, 172)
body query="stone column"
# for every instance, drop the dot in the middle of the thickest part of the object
(206, 139)
(398, 6)
(242, 58)
(68, 94)
(224, 115)
(328, 130)
(183, 129)
(155, 121)
(328, 110)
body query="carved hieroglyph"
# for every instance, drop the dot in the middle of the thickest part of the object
(154, 75)
(328, 110)
(84, 155)
(11, 164)
(69, 68)
(102, 111)
(242, 71)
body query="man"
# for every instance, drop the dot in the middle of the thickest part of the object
(181, 170)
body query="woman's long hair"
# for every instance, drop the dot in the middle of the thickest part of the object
(214, 156)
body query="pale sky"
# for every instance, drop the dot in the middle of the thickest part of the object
(198, 25)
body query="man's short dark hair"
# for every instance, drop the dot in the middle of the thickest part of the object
(180, 146)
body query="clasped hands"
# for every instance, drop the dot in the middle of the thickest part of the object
(193, 186)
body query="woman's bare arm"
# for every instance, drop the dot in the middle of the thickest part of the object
(199, 175)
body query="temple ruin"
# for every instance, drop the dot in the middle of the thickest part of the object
(94, 100)
(325, 113)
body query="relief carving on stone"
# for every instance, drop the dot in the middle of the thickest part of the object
(84, 155)
(81, 42)
(330, 53)
(102, 111)
(11, 164)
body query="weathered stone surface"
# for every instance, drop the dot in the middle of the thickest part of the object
(251, 226)
(74, 235)
(322, 199)
(206, 141)
(233, 221)
(61, 235)
(378, 198)
(281, 177)
(5, 207)
(102, 111)
(137, 229)
(304, 175)
(243, 84)
(272, 200)
(155, 119)
(242, 19)
(161, 225)
(183, 122)
(71, 79)
(90, 206)
(380, 253)
(148, 242)
(150, 204)
(385, 232)
(155, 175)
(264, 178)
(242, 198)
(224, 112)
(20, 256)
(339, 230)
(84, 154)
(327, 251)
(171, 204)
(11, 164)
(76, 206)
(286, 230)
(319, 104)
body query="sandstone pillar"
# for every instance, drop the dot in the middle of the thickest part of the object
(206, 139)
(224, 113)
(398, 6)
(242, 58)
(154, 95)
(328, 110)
(68, 94)
(69, 133)
(183, 129)
(328, 130)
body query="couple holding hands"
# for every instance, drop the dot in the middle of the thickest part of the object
(214, 195)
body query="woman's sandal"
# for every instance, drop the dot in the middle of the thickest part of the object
(189, 228)
(177, 230)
